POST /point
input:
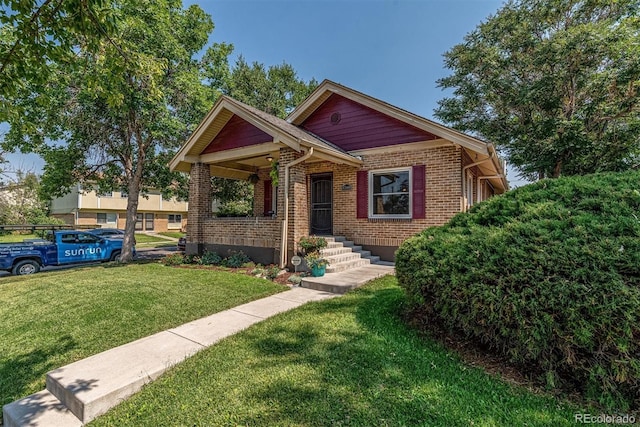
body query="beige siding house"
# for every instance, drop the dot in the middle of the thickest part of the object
(109, 210)
(348, 165)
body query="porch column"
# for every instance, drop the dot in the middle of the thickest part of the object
(199, 207)
(298, 202)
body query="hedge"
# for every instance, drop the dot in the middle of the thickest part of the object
(547, 275)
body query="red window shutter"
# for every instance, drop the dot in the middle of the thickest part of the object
(419, 172)
(268, 196)
(362, 194)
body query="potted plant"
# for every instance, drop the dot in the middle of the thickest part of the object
(310, 244)
(253, 178)
(316, 263)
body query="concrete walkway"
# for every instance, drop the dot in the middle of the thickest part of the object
(79, 392)
(340, 283)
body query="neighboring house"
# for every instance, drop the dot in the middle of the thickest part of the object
(109, 210)
(351, 165)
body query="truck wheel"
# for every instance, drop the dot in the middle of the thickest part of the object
(26, 266)
(115, 256)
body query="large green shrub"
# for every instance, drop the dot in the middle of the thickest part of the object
(547, 275)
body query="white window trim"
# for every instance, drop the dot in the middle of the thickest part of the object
(409, 215)
(469, 195)
(174, 224)
(106, 214)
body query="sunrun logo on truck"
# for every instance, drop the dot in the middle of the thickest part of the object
(88, 251)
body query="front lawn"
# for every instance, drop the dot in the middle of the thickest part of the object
(49, 320)
(148, 241)
(346, 361)
(174, 234)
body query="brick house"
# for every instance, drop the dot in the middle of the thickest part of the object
(351, 165)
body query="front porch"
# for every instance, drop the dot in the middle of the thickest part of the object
(276, 213)
(258, 237)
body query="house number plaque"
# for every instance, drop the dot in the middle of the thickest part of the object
(296, 260)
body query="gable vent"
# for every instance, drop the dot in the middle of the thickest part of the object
(335, 118)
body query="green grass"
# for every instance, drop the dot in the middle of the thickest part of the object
(149, 241)
(51, 319)
(174, 234)
(346, 361)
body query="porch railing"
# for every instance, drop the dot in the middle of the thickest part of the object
(243, 231)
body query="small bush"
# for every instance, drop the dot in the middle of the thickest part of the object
(210, 258)
(312, 244)
(240, 208)
(191, 259)
(172, 259)
(272, 272)
(295, 279)
(236, 259)
(258, 271)
(547, 275)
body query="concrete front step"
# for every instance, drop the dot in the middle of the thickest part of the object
(342, 266)
(90, 387)
(344, 254)
(345, 257)
(39, 409)
(335, 251)
(339, 283)
(331, 245)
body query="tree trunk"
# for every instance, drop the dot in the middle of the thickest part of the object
(557, 169)
(130, 225)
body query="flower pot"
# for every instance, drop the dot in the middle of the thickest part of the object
(318, 271)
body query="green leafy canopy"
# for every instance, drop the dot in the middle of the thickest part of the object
(554, 83)
(116, 111)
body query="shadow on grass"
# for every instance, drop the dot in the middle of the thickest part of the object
(20, 372)
(377, 372)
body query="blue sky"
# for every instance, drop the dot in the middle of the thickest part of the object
(389, 49)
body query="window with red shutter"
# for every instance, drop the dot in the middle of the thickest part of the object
(362, 194)
(268, 197)
(418, 191)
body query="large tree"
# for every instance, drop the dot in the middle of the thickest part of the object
(554, 83)
(113, 116)
(19, 199)
(37, 33)
(276, 90)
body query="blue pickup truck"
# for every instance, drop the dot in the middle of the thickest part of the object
(58, 248)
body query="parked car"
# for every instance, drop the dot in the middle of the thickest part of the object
(107, 232)
(112, 233)
(182, 243)
(60, 247)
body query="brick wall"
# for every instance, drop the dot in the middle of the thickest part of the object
(258, 236)
(67, 218)
(199, 206)
(443, 190)
(443, 200)
(258, 192)
(261, 232)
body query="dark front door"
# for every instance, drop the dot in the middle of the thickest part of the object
(321, 202)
